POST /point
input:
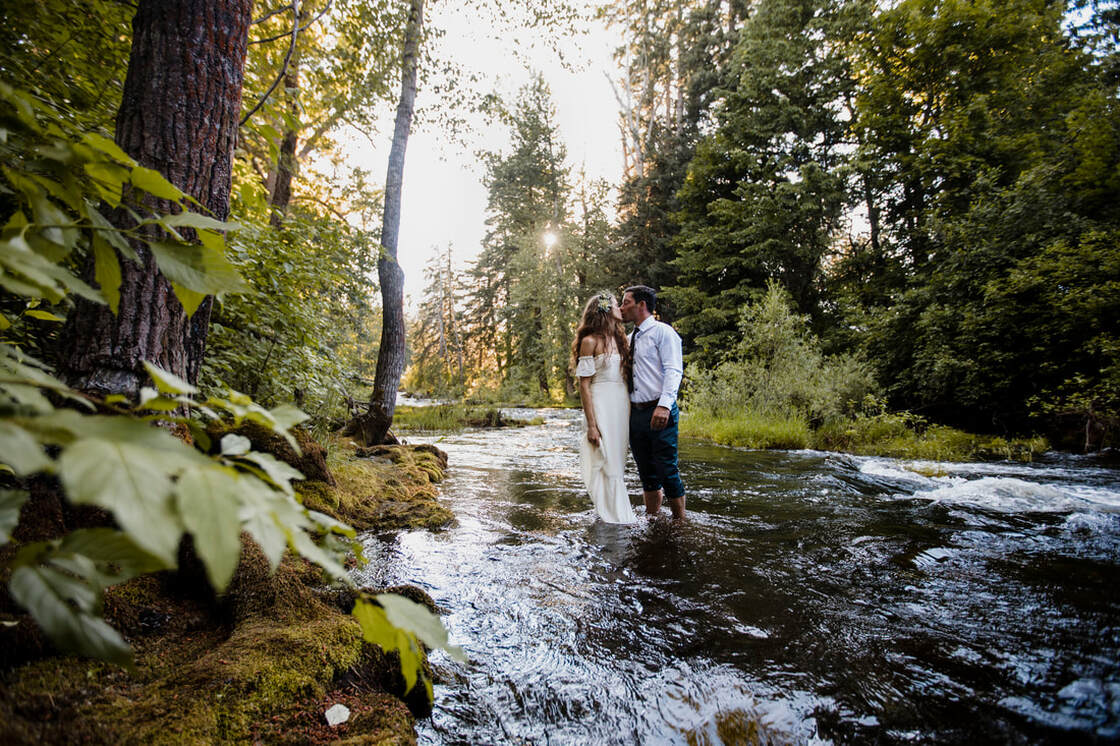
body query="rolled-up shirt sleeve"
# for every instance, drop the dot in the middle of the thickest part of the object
(672, 366)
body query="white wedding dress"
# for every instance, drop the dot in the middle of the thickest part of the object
(604, 465)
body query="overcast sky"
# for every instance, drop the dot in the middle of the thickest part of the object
(443, 201)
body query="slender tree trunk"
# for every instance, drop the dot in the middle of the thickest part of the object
(178, 115)
(373, 426)
(281, 188)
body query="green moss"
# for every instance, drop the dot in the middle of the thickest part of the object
(454, 417)
(262, 662)
(383, 488)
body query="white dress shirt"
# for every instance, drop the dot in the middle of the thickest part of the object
(658, 363)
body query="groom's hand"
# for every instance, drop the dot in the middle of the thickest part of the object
(660, 418)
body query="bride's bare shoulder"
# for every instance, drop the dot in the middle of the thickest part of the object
(590, 346)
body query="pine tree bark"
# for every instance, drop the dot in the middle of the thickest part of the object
(178, 115)
(372, 427)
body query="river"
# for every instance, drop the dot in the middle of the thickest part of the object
(810, 598)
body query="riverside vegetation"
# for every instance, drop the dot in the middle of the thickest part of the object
(776, 389)
(198, 567)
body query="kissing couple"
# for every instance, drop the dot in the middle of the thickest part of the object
(629, 393)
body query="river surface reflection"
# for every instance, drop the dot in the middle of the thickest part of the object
(810, 598)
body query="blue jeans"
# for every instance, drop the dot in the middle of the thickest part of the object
(655, 452)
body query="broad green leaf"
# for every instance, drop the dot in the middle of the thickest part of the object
(10, 503)
(69, 628)
(279, 473)
(151, 399)
(167, 382)
(189, 219)
(303, 544)
(235, 445)
(197, 268)
(130, 481)
(258, 517)
(417, 619)
(107, 271)
(154, 183)
(377, 629)
(288, 416)
(188, 299)
(4, 323)
(110, 233)
(111, 548)
(208, 503)
(109, 179)
(42, 315)
(21, 451)
(108, 147)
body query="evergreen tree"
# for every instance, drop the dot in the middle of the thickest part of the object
(525, 276)
(1001, 139)
(766, 190)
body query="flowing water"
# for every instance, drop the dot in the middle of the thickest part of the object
(810, 598)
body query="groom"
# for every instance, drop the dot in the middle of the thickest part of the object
(656, 375)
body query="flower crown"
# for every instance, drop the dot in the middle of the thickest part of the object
(605, 302)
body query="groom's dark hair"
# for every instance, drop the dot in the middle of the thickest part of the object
(643, 293)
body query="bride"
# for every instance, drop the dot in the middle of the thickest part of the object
(601, 355)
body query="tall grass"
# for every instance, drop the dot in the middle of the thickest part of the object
(748, 429)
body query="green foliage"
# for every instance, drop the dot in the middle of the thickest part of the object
(157, 488)
(993, 138)
(777, 371)
(749, 429)
(400, 625)
(765, 191)
(307, 332)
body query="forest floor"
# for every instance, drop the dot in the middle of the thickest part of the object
(259, 664)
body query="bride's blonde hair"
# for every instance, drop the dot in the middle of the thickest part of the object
(598, 321)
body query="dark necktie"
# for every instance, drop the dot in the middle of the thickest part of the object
(630, 369)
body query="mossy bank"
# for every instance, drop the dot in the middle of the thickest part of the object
(260, 663)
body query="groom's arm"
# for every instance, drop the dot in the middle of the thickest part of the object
(672, 367)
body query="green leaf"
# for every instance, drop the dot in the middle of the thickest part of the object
(4, 323)
(235, 445)
(37, 589)
(278, 472)
(130, 481)
(417, 619)
(107, 271)
(187, 219)
(10, 503)
(108, 147)
(154, 183)
(287, 416)
(197, 268)
(20, 450)
(168, 382)
(377, 629)
(43, 315)
(109, 179)
(111, 548)
(307, 548)
(208, 503)
(259, 505)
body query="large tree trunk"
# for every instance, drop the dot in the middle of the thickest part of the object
(372, 427)
(178, 115)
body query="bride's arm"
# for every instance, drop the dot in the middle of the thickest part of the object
(586, 348)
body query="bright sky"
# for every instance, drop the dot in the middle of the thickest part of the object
(444, 201)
